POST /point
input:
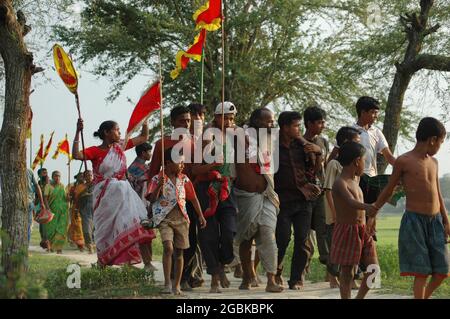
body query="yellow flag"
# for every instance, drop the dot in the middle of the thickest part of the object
(65, 69)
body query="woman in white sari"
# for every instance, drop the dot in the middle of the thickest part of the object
(118, 210)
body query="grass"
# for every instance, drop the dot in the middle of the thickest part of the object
(50, 273)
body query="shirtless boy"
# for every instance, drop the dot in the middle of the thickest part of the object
(352, 242)
(424, 229)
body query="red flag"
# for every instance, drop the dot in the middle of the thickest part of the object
(64, 148)
(149, 102)
(194, 52)
(209, 16)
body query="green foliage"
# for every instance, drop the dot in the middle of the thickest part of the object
(98, 283)
(284, 53)
(274, 51)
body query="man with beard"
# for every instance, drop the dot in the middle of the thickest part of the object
(257, 201)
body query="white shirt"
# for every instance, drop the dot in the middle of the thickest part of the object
(374, 142)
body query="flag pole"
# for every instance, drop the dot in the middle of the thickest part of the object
(223, 71)
(68, 178)
(203, 71)
(77, 99)
(161, 115)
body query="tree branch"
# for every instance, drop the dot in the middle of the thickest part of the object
(431, 30)
(432, 62)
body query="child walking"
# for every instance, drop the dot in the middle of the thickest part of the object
(171, 218)
(332, 172)
(352, 242)
(424, 229)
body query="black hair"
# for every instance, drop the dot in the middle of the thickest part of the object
(177, 111)
(346, 134)
(40, 171)
(144, 147)
(196, 108)
(104, 127)
(287, 117)
(256, 115)
(429, 127)
(314, 113)
(366, 103)
(350, 151)
(168, 155)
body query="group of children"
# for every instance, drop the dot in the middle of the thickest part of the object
(351, 221)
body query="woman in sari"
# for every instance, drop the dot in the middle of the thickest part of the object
(118, 210)
(55, 198)
(75, 228)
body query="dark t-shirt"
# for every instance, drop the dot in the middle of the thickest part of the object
(291, 173)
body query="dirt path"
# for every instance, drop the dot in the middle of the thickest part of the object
(319, 290)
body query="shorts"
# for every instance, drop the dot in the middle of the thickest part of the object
(352, 244)
(175, 228)
(422, 246)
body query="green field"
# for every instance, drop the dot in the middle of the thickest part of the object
(387, 229)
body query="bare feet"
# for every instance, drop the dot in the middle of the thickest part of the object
(279, 280)
(177, 292)
(167, 290)
(149, 267)
(273, 287)
(297, 286)
(238, 271)
(255, 282)
(334, 282)
(185, 286)
(245, 285)
(224, 282)
(215, 290)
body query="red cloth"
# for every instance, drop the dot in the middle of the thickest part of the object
(148, 103)
(350, 244)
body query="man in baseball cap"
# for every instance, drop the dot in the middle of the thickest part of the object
(228, 108)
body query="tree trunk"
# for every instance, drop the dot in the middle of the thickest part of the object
(416, 29)
(18, 71)
(393, 113)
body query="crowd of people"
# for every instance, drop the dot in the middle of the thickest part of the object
(240, 213)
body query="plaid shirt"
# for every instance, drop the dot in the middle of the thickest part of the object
(136, 174)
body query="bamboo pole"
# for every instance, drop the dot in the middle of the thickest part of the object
(161, 117)
(223, 74)
(77, 99)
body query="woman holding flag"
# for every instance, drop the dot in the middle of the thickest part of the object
(118, 210)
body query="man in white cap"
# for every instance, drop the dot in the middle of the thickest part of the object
(218, 206)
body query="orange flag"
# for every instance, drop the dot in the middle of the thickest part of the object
(47, 148)
(209, 16)
(39, 155)
(64, 148)
(194, 52)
